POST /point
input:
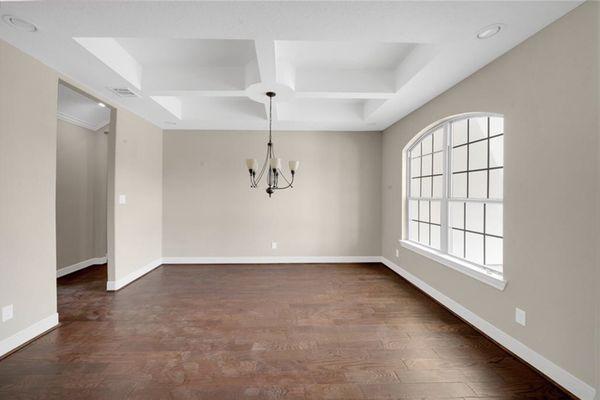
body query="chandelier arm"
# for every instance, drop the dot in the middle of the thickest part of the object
(288, 186)
(286, 179)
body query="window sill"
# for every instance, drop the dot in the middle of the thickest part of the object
(466, 268)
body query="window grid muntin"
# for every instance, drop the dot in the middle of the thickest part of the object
(420, 198)
(445, 239)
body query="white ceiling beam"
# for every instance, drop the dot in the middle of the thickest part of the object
(344, 95)
(371, 106)
(414, 62)
(199, 93)
(111, 53)
(267, 67)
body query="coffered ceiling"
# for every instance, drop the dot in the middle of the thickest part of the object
(334, 65)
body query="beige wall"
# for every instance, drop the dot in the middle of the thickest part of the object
(210, 210)
(28, 92)
(546, 89)
(80, 194)
(138, 175)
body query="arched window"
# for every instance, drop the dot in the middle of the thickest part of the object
(454, 184)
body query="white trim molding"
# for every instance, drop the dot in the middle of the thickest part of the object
(138, 273)
(79, 122)
(271, 260)
(119, 283)
(562, 377)
(80, 265)
(31, 332)
(472, 270)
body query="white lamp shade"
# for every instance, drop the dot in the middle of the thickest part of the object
(275, 163)
(252, 164)
(294, 165)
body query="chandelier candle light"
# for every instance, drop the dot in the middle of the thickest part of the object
(272, 164)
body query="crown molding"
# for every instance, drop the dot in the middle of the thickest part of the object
(79, 122)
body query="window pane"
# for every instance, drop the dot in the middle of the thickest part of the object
(474, 248)
(424, 233)
(497, 151)
(416, 151)
(438, 187)
(493, 219)
(438, 139)
(496, 178)
(436, 234)
(435, 212)
(493, 252)
(413, 210)
(477, 128)
(478, 185)
(456, 246)
(456, 215)
(459, 132)
(478, 155)
(426, 165)
(438, 163)
(459, 185)
(459, 159)
(426, 187)
(415, 167)
(424, 210)
(415, 187)
(496, 125)
(413, 231)
(427, 145)
(475, 217)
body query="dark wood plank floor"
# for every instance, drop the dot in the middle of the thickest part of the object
(346, 331)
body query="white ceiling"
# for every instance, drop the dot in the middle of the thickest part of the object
(80, 110)
(343, 65)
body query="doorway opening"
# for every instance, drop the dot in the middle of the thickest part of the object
(84, 129)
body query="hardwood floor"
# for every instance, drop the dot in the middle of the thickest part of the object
(345, 331)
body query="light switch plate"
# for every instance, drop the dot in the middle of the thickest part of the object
(520, 316)
(122, 199)
(7, 312)
(397, 253)
(273, 245)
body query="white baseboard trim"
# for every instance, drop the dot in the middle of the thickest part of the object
(138, 273)
(18, 339)
(270, 260)
(80, 265)
(565, 379)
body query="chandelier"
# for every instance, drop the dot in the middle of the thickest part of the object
(272, 164)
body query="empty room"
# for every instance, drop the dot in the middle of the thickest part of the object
(262, 200)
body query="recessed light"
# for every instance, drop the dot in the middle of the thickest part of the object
(489, 31)
(19, 23)
(102, 105)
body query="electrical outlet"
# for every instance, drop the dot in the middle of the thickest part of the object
(122, 199)
(273, 245)
(520, 316)
(397, 253)
(7, 312)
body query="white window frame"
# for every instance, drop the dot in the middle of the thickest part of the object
(478, 271)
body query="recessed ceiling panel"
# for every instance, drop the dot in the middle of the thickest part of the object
(344, 65)
(343, 55)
